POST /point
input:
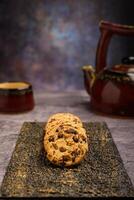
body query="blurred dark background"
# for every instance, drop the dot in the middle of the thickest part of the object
(46, 42)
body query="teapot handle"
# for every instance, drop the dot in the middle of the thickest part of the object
(108, 29)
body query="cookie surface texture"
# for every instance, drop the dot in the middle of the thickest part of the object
(62, 118)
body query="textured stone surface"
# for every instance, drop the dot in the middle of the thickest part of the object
(122, 129)
(101, 173)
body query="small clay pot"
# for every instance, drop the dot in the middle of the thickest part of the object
(16, 97)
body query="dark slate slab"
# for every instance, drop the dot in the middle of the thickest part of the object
(100, 174)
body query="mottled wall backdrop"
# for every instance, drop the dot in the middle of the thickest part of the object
(47, 41)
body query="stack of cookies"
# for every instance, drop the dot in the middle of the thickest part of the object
(65, 139)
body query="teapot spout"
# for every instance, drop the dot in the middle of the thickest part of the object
(89, 77)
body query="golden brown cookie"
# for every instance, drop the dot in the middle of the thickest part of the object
(62, 118)
(66, 146)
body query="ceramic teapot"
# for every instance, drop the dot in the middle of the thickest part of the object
(111, 89)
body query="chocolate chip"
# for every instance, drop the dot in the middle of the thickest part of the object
(60, 135)
(83, 138)
(54, 161)
(69, 143)
(55, 146)
(73, 159)
(75, 153)
(49, 155)
(66, 158)
(71, 131)
(62, 149)
(61, 126)
(75, 139)
(51, 138)
(52, 120)
(57, 130)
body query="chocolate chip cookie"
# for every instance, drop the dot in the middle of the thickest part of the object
(65, 143)
(62, 119)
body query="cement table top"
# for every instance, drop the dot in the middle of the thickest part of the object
(77, 102)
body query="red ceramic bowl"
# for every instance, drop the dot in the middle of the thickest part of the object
(16, 97)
